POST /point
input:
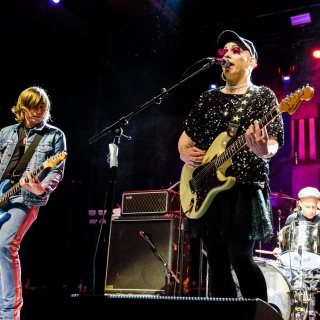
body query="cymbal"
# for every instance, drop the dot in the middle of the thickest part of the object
(279, 195)
(282, 201)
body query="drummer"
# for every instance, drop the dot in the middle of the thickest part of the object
(307, 207)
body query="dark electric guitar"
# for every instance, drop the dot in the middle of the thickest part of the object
(199, 186)
(7, 190)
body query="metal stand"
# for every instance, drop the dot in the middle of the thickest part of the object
(181, 253)
(203, 253)
(168, 271)
(305, 288)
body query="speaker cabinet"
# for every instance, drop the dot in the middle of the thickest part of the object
(147, 255)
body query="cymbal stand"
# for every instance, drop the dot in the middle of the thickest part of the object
(292, 278)
(312, 291)
(279, 227)
(304, 296)
(312, 304)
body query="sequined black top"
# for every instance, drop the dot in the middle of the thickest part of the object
(245, 209)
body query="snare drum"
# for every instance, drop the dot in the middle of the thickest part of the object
(280, 292)
(300, 245)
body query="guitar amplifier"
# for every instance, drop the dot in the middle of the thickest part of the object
(135, 247)
(145, 202)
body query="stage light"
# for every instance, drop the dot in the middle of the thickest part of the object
(286, 78)
(316, 53)
(212, 86)
(286, 72)
(55, 2)
(94, 216)
(301, 19)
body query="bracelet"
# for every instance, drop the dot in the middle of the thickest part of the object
(272, 150)
(267, 156)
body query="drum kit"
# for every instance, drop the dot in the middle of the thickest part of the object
(293, 278)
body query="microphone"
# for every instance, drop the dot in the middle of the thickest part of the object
(296, 216)
(223, 62)
(145, 235)
(296, 157)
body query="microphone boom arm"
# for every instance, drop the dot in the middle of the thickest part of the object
(156, 100)
(154, 249)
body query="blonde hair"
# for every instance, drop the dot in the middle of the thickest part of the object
(30, 98)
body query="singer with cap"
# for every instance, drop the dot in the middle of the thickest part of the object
(307, 208)
(240, 215)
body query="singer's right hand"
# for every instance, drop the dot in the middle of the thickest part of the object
(189, 154)
(192, 156)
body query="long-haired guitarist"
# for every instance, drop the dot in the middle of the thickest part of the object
(22, 193)
(224, 185)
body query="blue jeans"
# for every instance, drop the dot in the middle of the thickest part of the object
(11, 235)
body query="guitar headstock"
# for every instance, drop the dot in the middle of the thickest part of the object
(54, 160)
(291, 102)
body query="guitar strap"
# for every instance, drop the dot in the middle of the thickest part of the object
(236, 118)
(21, 166)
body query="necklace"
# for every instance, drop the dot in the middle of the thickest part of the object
(239, 86)
(24, 141)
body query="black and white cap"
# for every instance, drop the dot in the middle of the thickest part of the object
(229, 35)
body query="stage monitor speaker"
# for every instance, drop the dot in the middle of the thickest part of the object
(86, 307)
(135, 267)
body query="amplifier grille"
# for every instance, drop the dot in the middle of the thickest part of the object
(147, 202)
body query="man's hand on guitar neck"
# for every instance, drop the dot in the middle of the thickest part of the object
(32, 184)
(258, 141)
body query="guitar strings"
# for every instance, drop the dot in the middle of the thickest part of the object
(240, 143)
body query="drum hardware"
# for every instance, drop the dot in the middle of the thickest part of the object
(291, 290)
(300, 245)
(282, 201)
(280, 291)
(300, 253)
(308, 283)
(293, 278)
(279, 225)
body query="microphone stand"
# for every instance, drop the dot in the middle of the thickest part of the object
(104, 232)
(169, 272)
(117, 129)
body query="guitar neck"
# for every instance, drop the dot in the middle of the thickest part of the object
(37, 171)
(235, 147)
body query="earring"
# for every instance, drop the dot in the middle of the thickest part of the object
(223, 77)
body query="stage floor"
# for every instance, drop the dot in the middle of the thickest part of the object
(77, 307)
